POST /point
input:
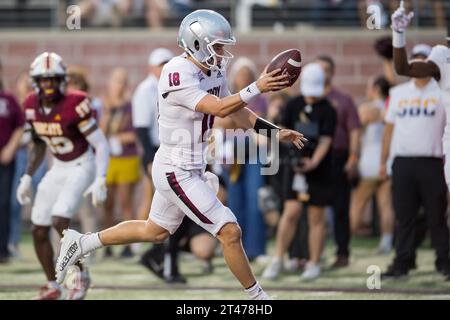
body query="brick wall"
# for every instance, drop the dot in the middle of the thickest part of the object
(99, 51)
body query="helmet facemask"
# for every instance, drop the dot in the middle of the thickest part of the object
(211, 60)
(54, 93)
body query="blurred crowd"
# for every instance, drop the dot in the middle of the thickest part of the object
(338, 186)
(161, 13)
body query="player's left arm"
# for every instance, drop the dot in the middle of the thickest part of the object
(95, 137)
(247, 119)
(98, 141)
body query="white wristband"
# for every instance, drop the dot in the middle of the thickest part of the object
(249, 92)
(398, 39)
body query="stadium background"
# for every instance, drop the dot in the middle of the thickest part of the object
(27, 31)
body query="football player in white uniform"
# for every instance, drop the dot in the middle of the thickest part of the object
(192, 91)
(437, 65)
(62, 120)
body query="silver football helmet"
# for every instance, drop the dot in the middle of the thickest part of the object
(200, 31)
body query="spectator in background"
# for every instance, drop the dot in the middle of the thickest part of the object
(345, 159)
(307, 179)
(335, 13)
(145, 121)
(244, 177)
(102, 13)
(123, 172)
(371, 115)
(12, 121)
(156, 11)
(413, 133)
(270, 196)
(23, 88)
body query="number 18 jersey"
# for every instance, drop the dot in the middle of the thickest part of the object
(183, 132)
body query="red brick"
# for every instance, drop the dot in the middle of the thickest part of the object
(346, 68)
(91, 49)
(275, 47)
(371, 68)
(22, 48)
(360, 48)
(250, 50)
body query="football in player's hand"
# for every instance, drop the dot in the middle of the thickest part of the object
(289, 62)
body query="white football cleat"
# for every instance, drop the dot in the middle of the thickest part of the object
(312, 271)
(77, 283)
(69, 254)
(273, 269)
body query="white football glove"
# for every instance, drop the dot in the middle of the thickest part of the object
(24, 190)
(400, 20)
(98, 190)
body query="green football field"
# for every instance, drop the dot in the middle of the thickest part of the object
(126, 279)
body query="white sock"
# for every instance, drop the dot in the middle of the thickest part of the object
(255, 292)
(386, 240)
(53, 284)
(90, 242)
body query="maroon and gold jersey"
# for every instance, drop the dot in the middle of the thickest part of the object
(60, 128)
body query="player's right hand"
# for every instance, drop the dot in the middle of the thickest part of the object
(98, 190)
(271, 82)
(400, 20)
(24, 190)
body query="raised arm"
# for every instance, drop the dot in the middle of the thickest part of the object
(417, 69)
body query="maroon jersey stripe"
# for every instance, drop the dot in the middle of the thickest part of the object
(204, 125)
(211, 121)
(171, 178)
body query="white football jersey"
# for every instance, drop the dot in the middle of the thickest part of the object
(419, 119)
(183, 132)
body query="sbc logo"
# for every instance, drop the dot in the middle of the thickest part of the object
(374, 280)
(374, 21)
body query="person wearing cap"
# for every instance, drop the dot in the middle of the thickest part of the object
(307, 181)
(412, 136)
(345, 153)
(436, 65)
(145, 120)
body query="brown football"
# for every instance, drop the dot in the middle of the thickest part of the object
(288, 61)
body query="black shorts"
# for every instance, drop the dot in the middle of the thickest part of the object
(148, 158)
(191, 229)
(320, 185)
